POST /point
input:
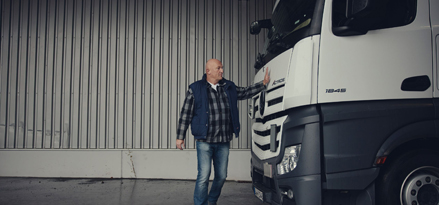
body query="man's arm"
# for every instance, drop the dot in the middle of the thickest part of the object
(185, 119)
(250, 91)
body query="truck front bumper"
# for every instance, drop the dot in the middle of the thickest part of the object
(303, 189)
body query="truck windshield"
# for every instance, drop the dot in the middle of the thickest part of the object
(288, 19)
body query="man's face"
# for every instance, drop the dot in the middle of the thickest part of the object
(216, 70)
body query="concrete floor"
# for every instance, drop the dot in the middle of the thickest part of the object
(60, 191)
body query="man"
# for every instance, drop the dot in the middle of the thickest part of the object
(211, 108)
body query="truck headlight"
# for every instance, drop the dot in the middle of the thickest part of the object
(290, 159)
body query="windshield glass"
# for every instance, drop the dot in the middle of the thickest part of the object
(288, 17)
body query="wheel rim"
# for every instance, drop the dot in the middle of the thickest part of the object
(421, 187)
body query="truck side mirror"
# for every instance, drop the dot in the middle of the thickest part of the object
(358, 8)
(358, 17)
(256, 26)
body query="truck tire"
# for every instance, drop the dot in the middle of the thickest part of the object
(411, 179)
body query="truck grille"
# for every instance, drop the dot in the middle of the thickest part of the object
(275, 101)
(266, 132)
(268, 111)
(266, 147)
(271, 117)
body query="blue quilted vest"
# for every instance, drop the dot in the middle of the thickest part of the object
(200, 120)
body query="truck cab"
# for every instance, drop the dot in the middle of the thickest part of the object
(351, 114)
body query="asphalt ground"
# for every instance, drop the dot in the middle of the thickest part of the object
(66, 191)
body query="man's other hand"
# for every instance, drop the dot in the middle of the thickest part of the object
(180, 144)
(267, 77)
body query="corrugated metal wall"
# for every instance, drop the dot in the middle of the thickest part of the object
(103, 74)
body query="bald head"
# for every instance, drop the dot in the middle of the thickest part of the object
(212, 63)
(214, 71)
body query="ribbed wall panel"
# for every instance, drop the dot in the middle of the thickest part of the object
(106, 74)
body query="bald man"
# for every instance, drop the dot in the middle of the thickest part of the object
(211, 108)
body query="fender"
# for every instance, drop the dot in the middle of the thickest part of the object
(418, 130)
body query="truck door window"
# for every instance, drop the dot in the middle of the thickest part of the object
(385, 13)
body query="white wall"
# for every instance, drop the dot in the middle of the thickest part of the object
(85, 83)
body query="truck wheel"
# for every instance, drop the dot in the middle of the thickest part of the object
(411, 179)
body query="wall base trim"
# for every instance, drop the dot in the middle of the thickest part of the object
(159, 164)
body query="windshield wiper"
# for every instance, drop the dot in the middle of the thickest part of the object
(277, 44)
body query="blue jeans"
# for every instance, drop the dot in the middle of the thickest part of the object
(206, 152)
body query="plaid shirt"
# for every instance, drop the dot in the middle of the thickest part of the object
(220, 123)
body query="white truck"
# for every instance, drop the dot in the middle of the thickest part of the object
(351, 114)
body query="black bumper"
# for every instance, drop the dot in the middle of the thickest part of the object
(306, 189)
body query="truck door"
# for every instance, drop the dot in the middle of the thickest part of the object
(374, 66)
(435, 33)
